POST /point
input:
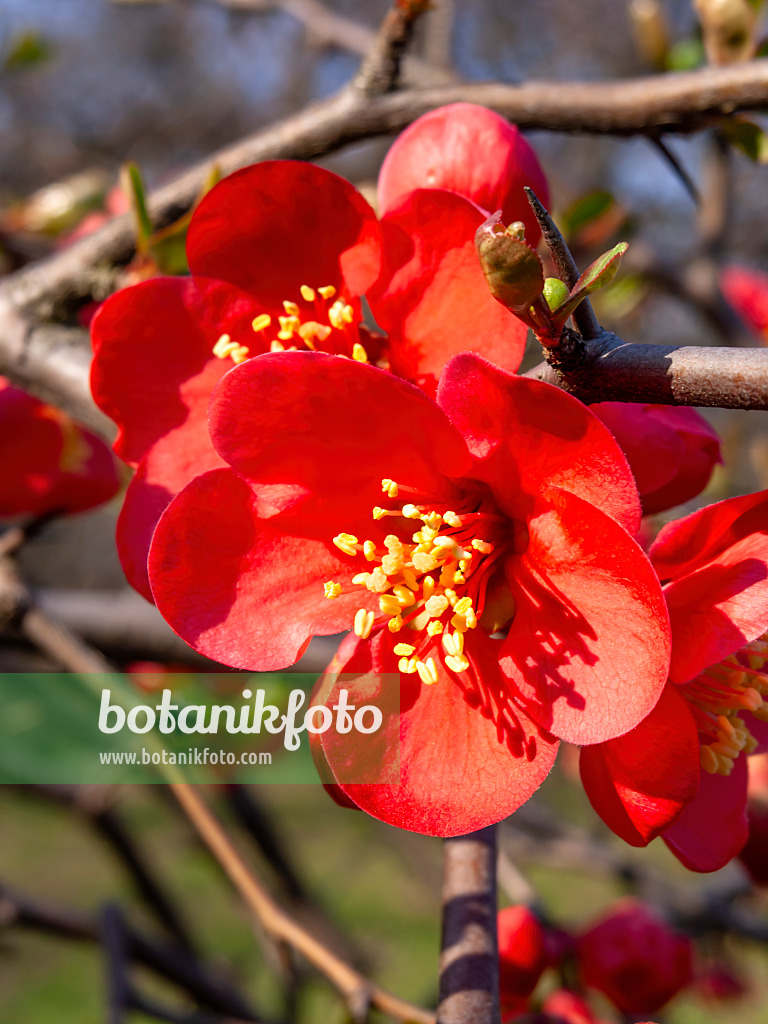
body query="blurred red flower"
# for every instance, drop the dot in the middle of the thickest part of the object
(522, 956)
(746, 290)
(49, 464)
(521, 502)
(634, 958)
(679, 773)
(671, 450)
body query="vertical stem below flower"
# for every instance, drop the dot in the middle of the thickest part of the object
(469, 961)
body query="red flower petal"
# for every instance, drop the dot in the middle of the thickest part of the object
(325, 428)
(671, 450)
(451, 772)
(244, 591)
(153, 367)
(470, 150)
(432, 297)
(277, 225)
(640, 782)
(588, 647)
(527, 436)
(717, 560)
(713, 827)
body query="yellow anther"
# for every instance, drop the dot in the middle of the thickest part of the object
(435, 628)
(444, 543)
(390, 488)
(221, 346)
(459, 623)
(377, 581)
(239, 354)
(463, 606)
(423, 561)
(332, 589)
(448, 574)
(346, 542)
(434, 520)
(291, 308)
(379, 513)
(358, 353)
(436, 605)
(312, 331)
(389, 605)
(395, 624)
(457, 663)
(361, 579)
(411, 512)
(327, 291)
(261, 322)
(409, 579)
(464, 564)
(369, 550)
(459, 578)
(363, 623)
(404, 650)
(453, 643)
(427, 671)
(277, 346)
(307, 293)
(335, 316)
(482, 546)
(392, 564)
(452, 519)
(404, 595)
(408, 665)
(428, 587)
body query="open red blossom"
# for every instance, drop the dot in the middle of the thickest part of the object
(681, 773)
(746, 290)
(671, 450)
(470, 150)
(48, 463)
(635, 958)
(281, 254)
(477, 544)
(522, 956)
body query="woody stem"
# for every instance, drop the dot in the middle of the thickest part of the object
(469, 962)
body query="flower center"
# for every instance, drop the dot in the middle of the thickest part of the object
(306, 324)
(720, 696)
(431, 585)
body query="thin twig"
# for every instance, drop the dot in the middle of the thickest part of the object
(118, 984)
(357, 990)
(380, 70)
(672, 159)
(469, 962)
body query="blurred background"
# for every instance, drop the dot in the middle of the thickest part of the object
(86, 85)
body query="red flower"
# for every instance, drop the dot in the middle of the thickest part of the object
(49, 463)
(522, 956)
(511, 485)
(671, 450)
(635, 959)
(470, 150)
(747, 292)
(679, 773)
(566, 1007)
(281, 254)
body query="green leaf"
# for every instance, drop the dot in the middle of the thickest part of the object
(586, 210)
(748, 137)
(597, 275)
(555, 292)
(133, 186)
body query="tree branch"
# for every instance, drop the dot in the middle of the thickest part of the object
(469, 963)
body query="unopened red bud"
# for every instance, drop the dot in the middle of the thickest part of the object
(512, 269)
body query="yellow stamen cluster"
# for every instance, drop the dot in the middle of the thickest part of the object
(415, 582)
(721, 695)
(296, 332)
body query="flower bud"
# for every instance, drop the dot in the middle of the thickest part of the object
(522, 955)
(512, 269)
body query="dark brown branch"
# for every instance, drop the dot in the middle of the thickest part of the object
(208, 989)
(469, 962)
